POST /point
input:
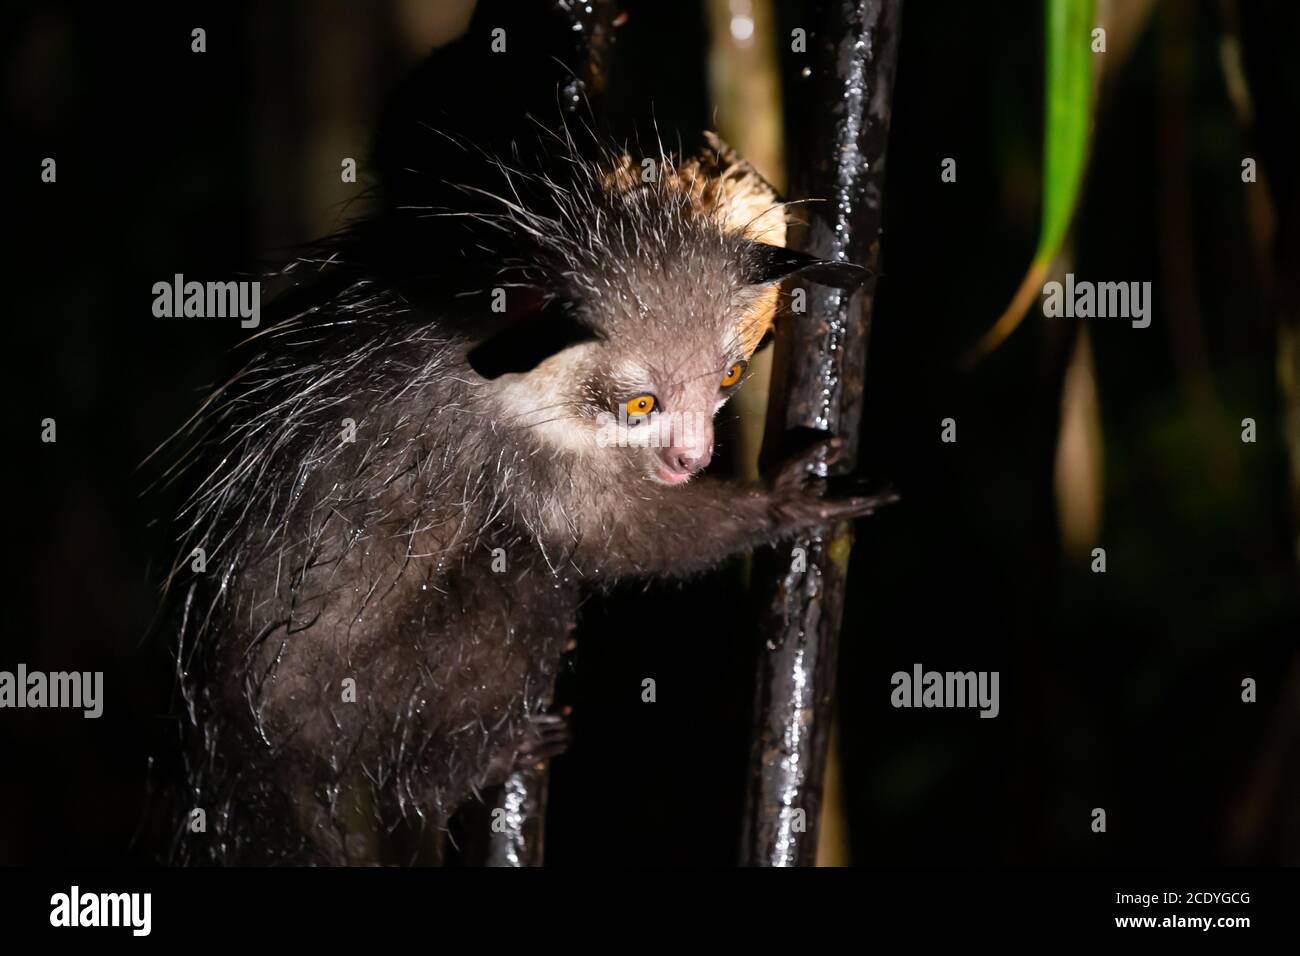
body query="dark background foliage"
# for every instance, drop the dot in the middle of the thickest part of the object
(1119, 690)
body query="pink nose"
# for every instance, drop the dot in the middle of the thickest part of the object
(688, 460)
(690, 448)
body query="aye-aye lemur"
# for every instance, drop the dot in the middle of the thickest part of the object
(398, 511)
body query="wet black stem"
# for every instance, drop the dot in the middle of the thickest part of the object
(838, 91)
(518, 835)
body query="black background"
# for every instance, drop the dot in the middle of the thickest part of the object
(1119, 691)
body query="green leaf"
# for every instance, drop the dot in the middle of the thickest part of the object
(1066, 129)
(1068, 119)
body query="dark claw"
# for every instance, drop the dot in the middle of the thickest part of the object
(856, 506)
(800, 471)
(548, 736)
(858, 489)
(545, 736)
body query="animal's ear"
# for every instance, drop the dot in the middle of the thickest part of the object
(768, 264)
(722, 161)
(531, 334)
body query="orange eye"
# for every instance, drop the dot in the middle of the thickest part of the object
(640, 406)
(733, 374)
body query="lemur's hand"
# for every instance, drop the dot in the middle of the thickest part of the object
(798, 491)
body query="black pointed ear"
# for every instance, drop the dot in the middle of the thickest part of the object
(770, 263)
(527, 339)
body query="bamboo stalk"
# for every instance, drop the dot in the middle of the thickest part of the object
(838, 99)
(521, 839)
(519, 836)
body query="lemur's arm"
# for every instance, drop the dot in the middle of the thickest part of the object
(677, 531)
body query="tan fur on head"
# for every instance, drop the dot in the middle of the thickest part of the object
(720, 183)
